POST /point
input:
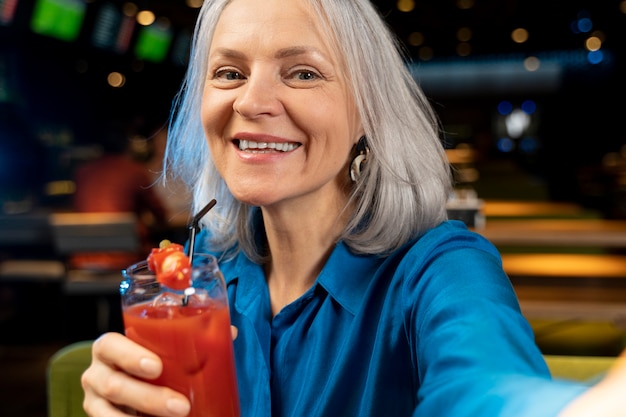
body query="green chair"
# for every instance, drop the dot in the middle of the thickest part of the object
(65, 367)
(579, 368)
(578, 337)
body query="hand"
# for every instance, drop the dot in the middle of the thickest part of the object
(112, 383)
(606, 398)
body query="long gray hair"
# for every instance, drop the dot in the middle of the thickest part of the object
(405, 182)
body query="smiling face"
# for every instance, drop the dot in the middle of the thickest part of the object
(276, 110)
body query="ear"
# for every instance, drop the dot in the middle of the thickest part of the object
(362, 153)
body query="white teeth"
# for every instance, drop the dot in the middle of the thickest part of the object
(282, 146)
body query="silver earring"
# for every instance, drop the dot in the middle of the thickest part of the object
(363, 152)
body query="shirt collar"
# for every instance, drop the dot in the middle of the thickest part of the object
(249, 280)
(346, 276)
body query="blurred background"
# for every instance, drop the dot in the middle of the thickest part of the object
(531, 85)
(529, 94)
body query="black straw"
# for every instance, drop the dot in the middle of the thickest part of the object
(193, 227)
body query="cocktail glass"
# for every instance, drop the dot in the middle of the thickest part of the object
(189, 330)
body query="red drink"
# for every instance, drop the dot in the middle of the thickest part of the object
(193, 340)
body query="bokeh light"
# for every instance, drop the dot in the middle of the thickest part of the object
(529, 106)
(463, 49)
(505, 145)
(528, 145)
(416, 38)
(116, 79)
(145, 17)
(593, 43)
(405, 5)
(595, 57)
(464, 34)
(532, 63)
(519, 35)
(505, 108)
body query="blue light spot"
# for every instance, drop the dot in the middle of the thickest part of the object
(528, 145)
(504, 108)
(595, 57)
(584, 24)
(529, 106)
(505, 145)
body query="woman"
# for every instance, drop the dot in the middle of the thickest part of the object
(351, 293)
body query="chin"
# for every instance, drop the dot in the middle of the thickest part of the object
(254, 198)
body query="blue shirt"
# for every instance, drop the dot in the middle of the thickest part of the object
(433, 330)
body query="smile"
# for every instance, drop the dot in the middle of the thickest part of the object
(248, 145)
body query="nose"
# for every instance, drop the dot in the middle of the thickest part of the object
(259, 96)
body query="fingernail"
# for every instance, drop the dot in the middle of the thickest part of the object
(178, 407)
(149, 366)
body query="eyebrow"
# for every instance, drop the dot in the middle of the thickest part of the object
(229, 53)
(298, 50)
(282, 53)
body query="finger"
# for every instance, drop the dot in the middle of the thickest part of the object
(160, 401)
(116, 391)
(99, 391)
(118, 351)
(234, 331)
(95, 407)
(106, 386)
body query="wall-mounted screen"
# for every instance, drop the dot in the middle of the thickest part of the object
(153, 43)
(113, 30)
(61, 19)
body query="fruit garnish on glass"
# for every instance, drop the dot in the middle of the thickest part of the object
(171, 265)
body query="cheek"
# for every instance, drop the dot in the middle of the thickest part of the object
(214, 117)
(339, 132)
(337, 116)
(208, 112)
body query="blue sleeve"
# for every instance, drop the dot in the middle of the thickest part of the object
(475, 352)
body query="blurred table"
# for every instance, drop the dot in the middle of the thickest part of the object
(556, 232)
(569, 286)
(565, 263)
(534, 209)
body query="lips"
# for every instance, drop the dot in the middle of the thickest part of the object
(251, 146)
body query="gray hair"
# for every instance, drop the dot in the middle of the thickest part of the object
(405, 183)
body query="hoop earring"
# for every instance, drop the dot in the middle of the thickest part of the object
(363, 152)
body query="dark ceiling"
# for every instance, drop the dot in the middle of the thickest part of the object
(549, 23)
(42, 63)
(59, 85)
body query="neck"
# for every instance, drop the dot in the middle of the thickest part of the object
(299, 247)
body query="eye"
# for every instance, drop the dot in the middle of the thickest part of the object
(306, 75)
(228, 74)
(303, 78)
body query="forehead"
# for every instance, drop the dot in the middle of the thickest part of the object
(282, 23)
(243, 11)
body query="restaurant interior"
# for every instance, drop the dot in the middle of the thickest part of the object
(529, 98)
